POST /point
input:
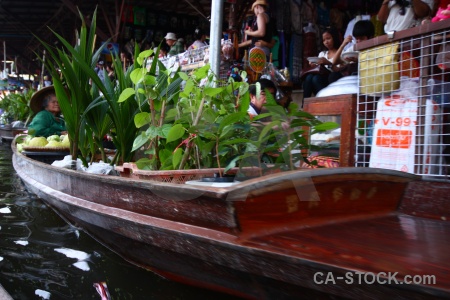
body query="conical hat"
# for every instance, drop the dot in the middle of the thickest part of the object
(36, 101)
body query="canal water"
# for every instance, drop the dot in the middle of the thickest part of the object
(43, 257)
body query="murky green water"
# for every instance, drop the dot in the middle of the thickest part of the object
(42, 257)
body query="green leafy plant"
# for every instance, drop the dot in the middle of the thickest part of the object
(16, 106)
(72, 69)
(91, 107)
(184, 128)
(279, 138)
(155, 89)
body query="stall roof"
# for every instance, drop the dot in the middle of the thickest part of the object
(21, 21)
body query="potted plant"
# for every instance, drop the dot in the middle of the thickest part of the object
(182, 121)
(205, 124)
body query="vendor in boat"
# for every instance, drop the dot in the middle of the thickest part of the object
(48, 120)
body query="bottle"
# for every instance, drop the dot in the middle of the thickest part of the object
(286, 74)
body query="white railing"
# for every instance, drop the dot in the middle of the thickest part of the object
(403, 119)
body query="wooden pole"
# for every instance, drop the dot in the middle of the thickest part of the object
(4, 59)
(41, 81)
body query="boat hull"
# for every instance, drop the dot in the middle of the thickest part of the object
(216, 238)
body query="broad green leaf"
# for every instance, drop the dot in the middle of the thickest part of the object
(235, 141)
(326, 126)
(139, 141)
(126, 93)
(231, 119)
(187, 88)
(176, 132)
(164, 154)
(183, 76)
(202, 72)
(209, 115)
(152, 132)
(177, 156)
(213, 91)
(150, 80)
(232, 164)
(227, 132)
(164, 130)
(208, 135)
(142, 119)
(144, 164)
(244, 102)
(206, 149)
(152, 94)
(137, 75)
(141, 91)
(146, 53)
(223, 110)
(171, 114)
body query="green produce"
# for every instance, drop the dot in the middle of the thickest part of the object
(53, 138)
(27, 140)
(65, 141)
(54, 144)
(38, 142)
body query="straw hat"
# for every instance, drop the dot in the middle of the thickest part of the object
(260, 2)
(37, 99)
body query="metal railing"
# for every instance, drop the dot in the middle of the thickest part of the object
(403, 108)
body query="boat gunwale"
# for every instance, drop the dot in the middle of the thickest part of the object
(253, 186)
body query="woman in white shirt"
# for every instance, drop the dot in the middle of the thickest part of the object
(313, 83)
(401, 14)
(200, 38)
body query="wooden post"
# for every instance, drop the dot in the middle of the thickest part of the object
(41, 80)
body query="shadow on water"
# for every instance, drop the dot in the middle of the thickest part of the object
(43, 257)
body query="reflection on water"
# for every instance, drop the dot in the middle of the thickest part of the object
(42, 257)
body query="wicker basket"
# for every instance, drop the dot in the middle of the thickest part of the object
(46, 149)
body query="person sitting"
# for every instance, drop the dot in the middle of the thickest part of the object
(47, 120)
(401, 14)
(176, 47)
(363, 30)
(200, 38)
(313, 83)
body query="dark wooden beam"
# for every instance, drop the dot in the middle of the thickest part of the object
(107, 20)
(74, 9)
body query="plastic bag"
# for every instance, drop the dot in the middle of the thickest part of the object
(67, 163)
(100, 168)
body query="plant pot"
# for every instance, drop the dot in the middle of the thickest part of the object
(218, 179)
(130, 170)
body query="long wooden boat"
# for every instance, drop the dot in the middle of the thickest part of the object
(355, 233)
(8, 133)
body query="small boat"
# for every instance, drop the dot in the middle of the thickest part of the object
(354, 233)
(8, 132)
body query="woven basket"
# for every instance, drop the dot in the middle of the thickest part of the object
(46, 149)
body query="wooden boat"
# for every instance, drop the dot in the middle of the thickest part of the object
(354, 233)
(7, 132)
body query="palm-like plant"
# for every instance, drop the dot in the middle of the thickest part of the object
(73, 89)
(90, 106)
